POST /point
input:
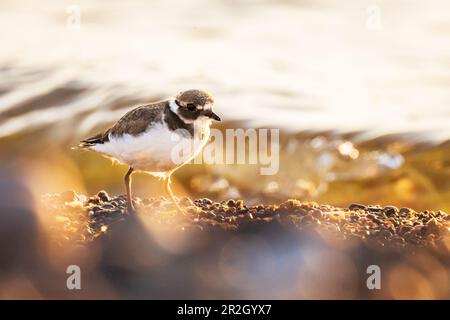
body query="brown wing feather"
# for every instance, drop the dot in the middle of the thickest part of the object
(97, 139)
(133, 122)
(137, 120)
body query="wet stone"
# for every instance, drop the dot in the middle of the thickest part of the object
(386, 233)
(406, 210)
(397, 239)
(356, 206)
(308, 219)
(207, 201)
(94, 200)
(316, 213)
(405, 229)
(103, 196)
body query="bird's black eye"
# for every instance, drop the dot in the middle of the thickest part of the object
(191, 107)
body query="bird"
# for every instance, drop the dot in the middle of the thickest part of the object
(148, 137)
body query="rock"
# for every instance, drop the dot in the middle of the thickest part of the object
(356, 206)
(433, 223)
(290, 203)
(308, 219)
(239, 204)
(207, 201)
(404, 229)
(384, 233)
(116, 212)
(406, 210)
(316, 213)
(397, 239)
(94, 200)
(390, 211)
(417, 230)
(432, 226)
(103, 196)
(231, 211)
(408, 236)
(374, 209)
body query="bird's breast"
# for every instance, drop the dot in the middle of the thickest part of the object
(158, 149)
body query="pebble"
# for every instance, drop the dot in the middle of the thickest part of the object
(404, 229)
(356, 206)
(308, 219)
(406, 210)
(374, 209)
(207, 201)
(316, 213)
(390, 212)
(397, 239)
(103, 196)
(384, 233)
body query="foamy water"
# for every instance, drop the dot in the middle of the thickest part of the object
(381, 67)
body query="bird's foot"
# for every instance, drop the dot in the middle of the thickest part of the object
(130, 208)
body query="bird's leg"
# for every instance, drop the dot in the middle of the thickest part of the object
(130, 206)
(172, 197)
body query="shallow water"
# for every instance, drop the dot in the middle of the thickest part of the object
(297, 64)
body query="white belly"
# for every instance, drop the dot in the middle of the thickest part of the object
(157, 151)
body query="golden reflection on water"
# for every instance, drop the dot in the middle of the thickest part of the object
(293, 64)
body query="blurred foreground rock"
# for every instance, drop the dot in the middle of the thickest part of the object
(293, 250)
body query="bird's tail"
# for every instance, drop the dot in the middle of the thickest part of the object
(82, 146)
(88, 143)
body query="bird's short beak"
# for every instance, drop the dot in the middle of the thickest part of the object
(212, 115)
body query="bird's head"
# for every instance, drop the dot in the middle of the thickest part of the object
(194, 104)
